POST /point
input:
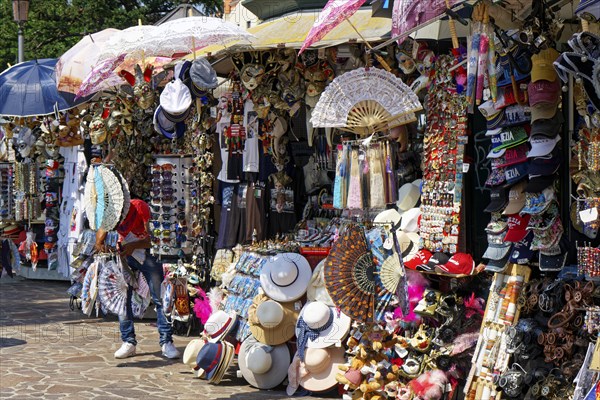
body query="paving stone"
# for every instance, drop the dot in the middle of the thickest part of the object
(48, 351)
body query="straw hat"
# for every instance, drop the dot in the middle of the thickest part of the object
(285, 277)
(331, 324)
(316, 289)
(208, 360)
(271, 322)
(408, 196)
(219, 324)
(191, 352)
(321, 366)
(262, 366)
(224, 363)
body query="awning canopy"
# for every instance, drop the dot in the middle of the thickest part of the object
(291, 30)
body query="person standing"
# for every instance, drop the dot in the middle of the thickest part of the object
(135, 242)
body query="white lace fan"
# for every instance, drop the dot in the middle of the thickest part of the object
(364, 101)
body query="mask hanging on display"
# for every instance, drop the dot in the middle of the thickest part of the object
(255, 67)
(24, 141)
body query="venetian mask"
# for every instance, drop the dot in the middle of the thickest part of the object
(290, 86)
(24, 142)
(252, 75)
(52, 150)
(406, 63)
(143, 92)
(98, 130)
(317, 78)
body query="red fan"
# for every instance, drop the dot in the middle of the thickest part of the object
(350, 275)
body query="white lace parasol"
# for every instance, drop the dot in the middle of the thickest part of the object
(132, 40)
(364, 101)
(186, 34)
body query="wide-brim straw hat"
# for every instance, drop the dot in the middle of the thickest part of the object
(263, 366)
(272, 322)
(322, 367)
(285, 277)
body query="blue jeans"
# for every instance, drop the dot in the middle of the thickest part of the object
(153, 272)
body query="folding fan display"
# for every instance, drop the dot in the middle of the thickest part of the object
(365, 101)
(350, 275)
(112, 288)
(391, 272)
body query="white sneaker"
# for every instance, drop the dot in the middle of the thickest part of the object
(126, 350)
(170, 351)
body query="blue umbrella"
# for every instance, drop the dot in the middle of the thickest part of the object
(29, 89)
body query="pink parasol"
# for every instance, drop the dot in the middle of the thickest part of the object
(334, 12)
(408, 14)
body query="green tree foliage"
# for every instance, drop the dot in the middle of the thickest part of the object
(54, 26)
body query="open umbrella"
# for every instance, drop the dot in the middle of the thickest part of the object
(333, 14)
(130, 41)
(409, 14)
(74, 65)
(29, 89)
(184, 35)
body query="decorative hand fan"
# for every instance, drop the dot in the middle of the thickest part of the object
(90, 197)
(126, 195)
(350, 275)
(89, 291)
(112, 288)
(391, 272)
(100, 197)
(113, 192)
(140, 300)
(365, 101)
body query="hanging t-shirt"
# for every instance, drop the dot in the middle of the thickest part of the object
(251, 159)
(222, 126)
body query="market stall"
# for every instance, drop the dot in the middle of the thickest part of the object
(410, 219)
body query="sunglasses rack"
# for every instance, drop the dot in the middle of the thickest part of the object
(490, 359)
(6, 197)
(170, 197)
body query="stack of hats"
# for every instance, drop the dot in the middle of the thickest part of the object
(212, 359)
(523, 202)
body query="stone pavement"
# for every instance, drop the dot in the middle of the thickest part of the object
(48, 351)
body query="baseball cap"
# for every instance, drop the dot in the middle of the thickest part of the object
(543, 111)
(515, 173)
(541, 145)
(511, 156)
(515, 115)
(538, 183)
(459, 263)
(504, 70)
(544, 91)
(536, 203)
(493, 132)
(516, 199)
(517, 227)
(549, 127)
(506, 96)
(488, 109)
(545, 165)
(434, 261)
(497, 225)
(497, 265)
(498, 200)
(521, 252)
(542, 65)
(496, 177)
(421, 257)
(497, 251)
(508, 138)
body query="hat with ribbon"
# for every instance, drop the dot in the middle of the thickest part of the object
(285, 277)
(320, 326)
(208, 359)
(321, 367)
(263, 366)
(271, 322)
(224, 364)
(166, 127)
(390, 216)
(219, 324)
(203, 77)
(176, 101)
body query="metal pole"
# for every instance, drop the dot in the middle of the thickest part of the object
(21, 43)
